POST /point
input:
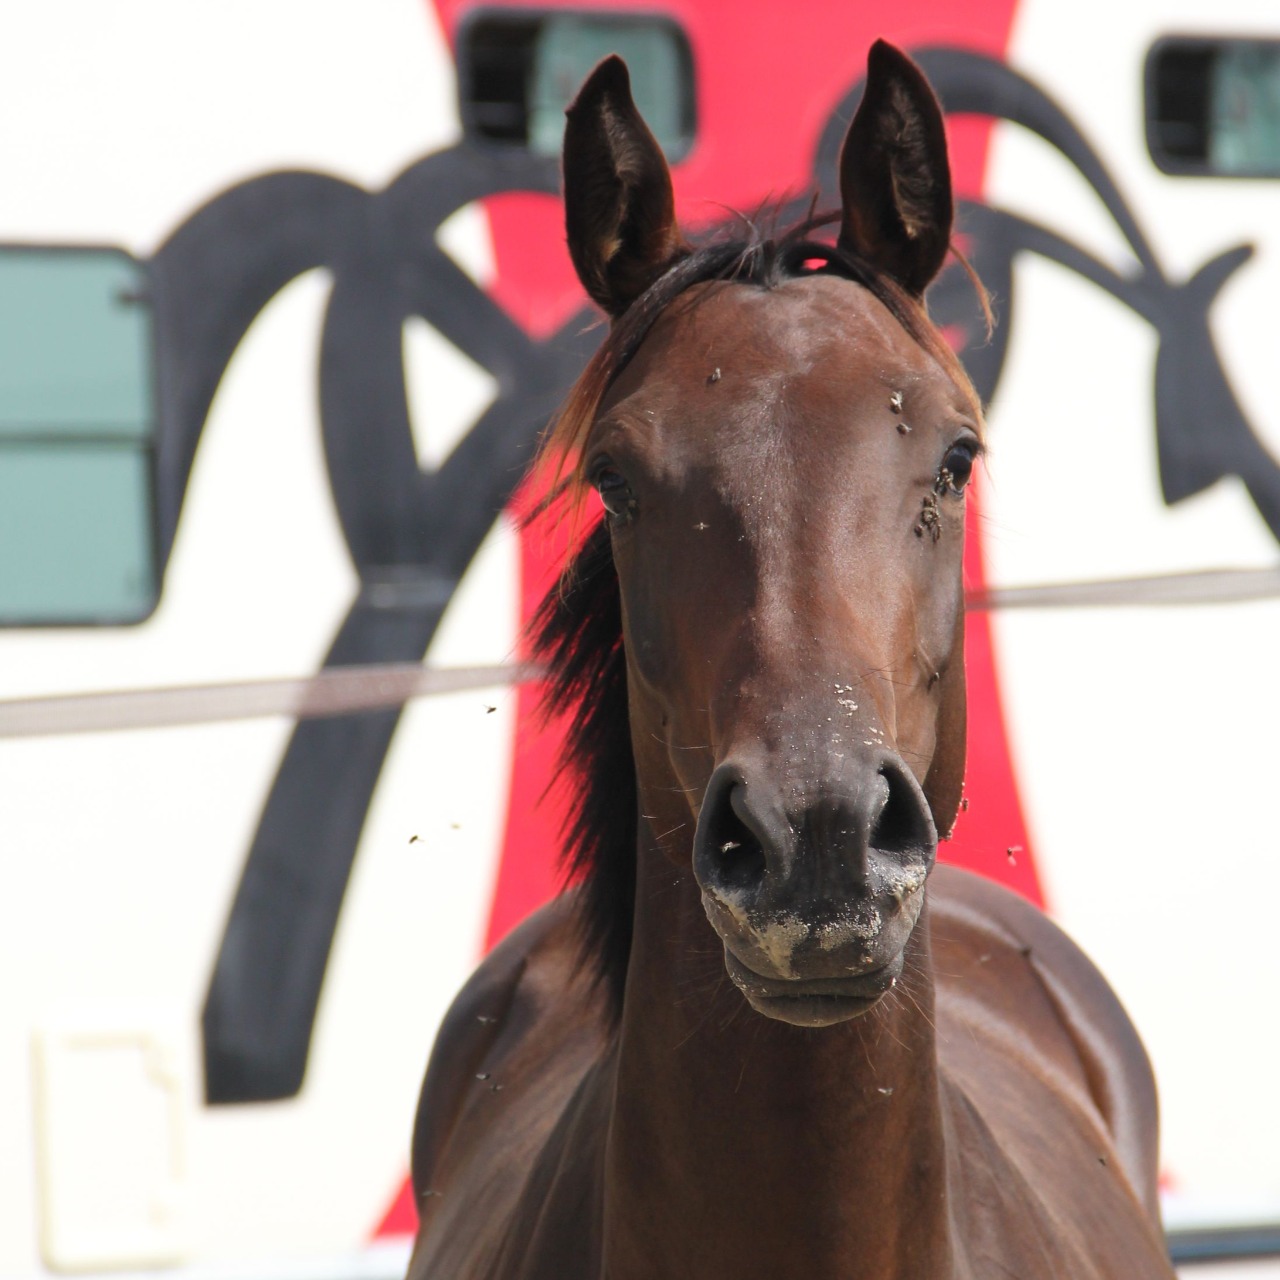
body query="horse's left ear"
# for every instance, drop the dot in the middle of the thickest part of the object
(618, 201)
(895, 183)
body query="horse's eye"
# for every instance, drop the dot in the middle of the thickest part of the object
(957, 467)
(615, 493)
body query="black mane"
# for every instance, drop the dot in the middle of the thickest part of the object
(576, 632)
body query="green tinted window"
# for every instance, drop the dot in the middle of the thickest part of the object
(77, 426)
(1213, 107)
(1244, 111)
(519, 69)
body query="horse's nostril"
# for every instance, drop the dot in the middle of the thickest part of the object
(731, 852)
(903, 823)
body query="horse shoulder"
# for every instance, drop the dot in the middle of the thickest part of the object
(507, 1061)
(994, 949)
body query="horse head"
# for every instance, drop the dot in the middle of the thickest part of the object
(782, 441)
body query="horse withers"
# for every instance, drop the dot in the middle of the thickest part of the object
(763, 1036)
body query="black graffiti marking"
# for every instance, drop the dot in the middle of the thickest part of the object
(1202, 435)
(412, 533)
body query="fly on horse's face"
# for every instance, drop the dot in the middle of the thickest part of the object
(783, 466)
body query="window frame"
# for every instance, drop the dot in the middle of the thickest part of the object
(533, 17)
(149, 450)
(1167, 162)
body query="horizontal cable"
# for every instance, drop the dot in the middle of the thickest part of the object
(1209, 586)
(350, 690)
(1229, 1242)
(332, 692)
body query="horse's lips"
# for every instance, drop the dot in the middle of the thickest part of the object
(813, 1001)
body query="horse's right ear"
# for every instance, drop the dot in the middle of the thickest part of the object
(619, 207)
(895, 183)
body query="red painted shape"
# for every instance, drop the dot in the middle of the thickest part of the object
(990, 836)
(537, 288)
(967, 139)
(529, 870)
(768, 76)
(401, 1217)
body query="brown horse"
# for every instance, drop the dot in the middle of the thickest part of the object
(751, 1043)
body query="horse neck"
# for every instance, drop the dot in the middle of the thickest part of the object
(740, 1146)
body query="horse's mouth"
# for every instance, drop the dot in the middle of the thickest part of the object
(813, 1002)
